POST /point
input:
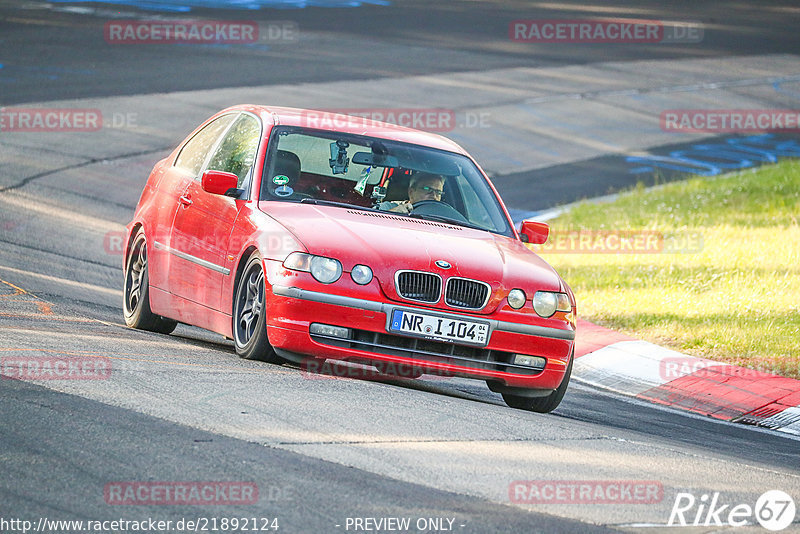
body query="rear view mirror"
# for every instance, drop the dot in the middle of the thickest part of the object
(375, 160)
(220, 183)
(534, 232)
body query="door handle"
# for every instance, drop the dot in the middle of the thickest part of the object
(186, 201)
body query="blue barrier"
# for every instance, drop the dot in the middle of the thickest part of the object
(187, 5)
(712, 159)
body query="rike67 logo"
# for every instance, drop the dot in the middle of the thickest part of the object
(774, 510)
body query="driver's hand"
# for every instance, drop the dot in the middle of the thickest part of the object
(405, 207)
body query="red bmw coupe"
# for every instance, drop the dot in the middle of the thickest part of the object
(306, 236)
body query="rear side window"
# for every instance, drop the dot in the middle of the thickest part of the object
(194, 152)
(237, 152)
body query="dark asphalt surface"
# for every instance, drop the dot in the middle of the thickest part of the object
(543, 189)
(50, 54)
(59, 451)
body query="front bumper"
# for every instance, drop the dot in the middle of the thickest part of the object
(291, 310)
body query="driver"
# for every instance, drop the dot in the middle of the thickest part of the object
(422, 186)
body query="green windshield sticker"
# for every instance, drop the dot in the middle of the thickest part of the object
(280, 179)
(362, 183)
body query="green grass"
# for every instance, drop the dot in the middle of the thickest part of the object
(735, 299)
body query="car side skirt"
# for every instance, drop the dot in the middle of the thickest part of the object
(185, 311)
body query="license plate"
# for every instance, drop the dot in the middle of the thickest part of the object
(439, 327)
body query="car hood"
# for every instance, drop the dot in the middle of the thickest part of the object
(388, 243)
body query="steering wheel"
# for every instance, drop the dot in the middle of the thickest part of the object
(437, 207)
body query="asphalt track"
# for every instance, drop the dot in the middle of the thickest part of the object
(184, 408)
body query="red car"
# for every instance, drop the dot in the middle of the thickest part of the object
(306, 236)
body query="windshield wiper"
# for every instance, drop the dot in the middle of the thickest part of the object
(448, 220)
(320, 202)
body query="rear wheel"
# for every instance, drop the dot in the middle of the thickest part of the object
(136, 292)
(249, 318)
(541, 404)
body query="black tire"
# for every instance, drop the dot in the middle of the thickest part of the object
(249, 318)
(136, 292)
(541, 404)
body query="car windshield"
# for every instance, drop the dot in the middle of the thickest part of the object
(310, 166)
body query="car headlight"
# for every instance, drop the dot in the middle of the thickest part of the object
(298, 261)
(516, 298)
(361, 275)
(324, 270)
(546, 303)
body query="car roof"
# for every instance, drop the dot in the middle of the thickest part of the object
(340, 122)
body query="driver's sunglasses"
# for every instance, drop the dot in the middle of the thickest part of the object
(429, 189)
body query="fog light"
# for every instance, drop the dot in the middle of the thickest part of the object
(329, 330)
(537, 362)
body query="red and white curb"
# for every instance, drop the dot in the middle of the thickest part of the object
(613, 361)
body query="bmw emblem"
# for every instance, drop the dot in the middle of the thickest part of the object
(443, 264)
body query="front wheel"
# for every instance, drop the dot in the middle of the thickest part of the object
(249, 318)
(136, 292)
(541, 404)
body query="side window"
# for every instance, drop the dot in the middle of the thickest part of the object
(476, 210)
(237, 152)
(194, 152)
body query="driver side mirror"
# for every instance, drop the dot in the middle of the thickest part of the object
(220, 183)
(534, 232)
